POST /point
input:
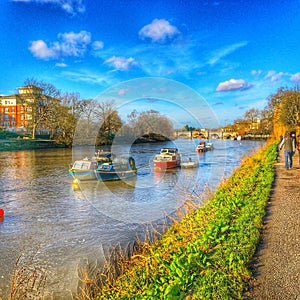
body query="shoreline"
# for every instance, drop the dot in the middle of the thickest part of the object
(21, 144)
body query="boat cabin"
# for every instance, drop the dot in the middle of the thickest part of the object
(84, 164)
(169, 151)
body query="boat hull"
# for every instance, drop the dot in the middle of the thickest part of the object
(83, 175)
(115, 175)
(188, 165)
(166, 164)
(200, 150)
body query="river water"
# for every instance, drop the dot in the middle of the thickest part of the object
(54, 225)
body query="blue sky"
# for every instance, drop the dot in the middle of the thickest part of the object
(234, 54)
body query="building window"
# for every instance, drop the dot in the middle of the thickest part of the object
(6, 109)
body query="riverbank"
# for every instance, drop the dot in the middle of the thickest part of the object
(240, 205)
(208, 253)
(276, 265)
(23, 144)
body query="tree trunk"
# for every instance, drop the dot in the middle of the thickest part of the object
(33, 132)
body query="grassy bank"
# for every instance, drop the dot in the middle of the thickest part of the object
(11, 141)
(207, 254)
(23, 144)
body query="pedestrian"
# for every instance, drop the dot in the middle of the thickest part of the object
(288, 142)
(298, 147)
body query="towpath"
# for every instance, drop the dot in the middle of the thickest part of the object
(277, 261)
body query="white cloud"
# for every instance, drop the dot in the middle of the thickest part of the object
(256, 72)
(270, 74)
(69, 44)
(98, 45)
(159, 31)
(69, 6)
(121, 63)
(274, 76)
(73, 44)
(40, 49)
(233, 84)
(60, 65)
(87, 77)
(295, 77)
(220, 53)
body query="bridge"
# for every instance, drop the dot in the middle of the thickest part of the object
(218, 133)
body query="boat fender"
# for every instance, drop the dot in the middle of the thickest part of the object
(132, 163)
(1, 212)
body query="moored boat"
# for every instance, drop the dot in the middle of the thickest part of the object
(84, 169)
(119, 168)
(189, 163)
(103, 166)
(167, 158)
(201, 147)
(209, 146)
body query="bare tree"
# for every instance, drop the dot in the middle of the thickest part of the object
(110, 122)
(149, 125)
(88, 122)
(38, 97)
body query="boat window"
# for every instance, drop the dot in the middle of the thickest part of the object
(105, 167)
(82, 165)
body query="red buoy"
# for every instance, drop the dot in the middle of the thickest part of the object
(1, 212)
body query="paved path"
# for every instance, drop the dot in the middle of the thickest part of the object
(277, 261)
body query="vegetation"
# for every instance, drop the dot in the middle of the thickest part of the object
(282, 113)
(188, 128)
(208, 253)
(8, 135)
(75, 121)
(97, 123)
(147, 126)
(39, 101)
(284, 106)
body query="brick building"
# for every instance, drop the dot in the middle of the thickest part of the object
(16, 111)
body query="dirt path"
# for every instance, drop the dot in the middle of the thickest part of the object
(277, 261)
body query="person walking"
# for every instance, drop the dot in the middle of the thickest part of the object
(298, 147)
(288, 142)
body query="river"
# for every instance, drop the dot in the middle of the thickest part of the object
(55, 225)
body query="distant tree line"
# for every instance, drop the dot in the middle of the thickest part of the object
(71, 120)
(147, 126)
(282, 111)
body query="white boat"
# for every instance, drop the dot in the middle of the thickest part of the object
(201, 147)
(167, 158)
(189, 163)
(209, 146)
